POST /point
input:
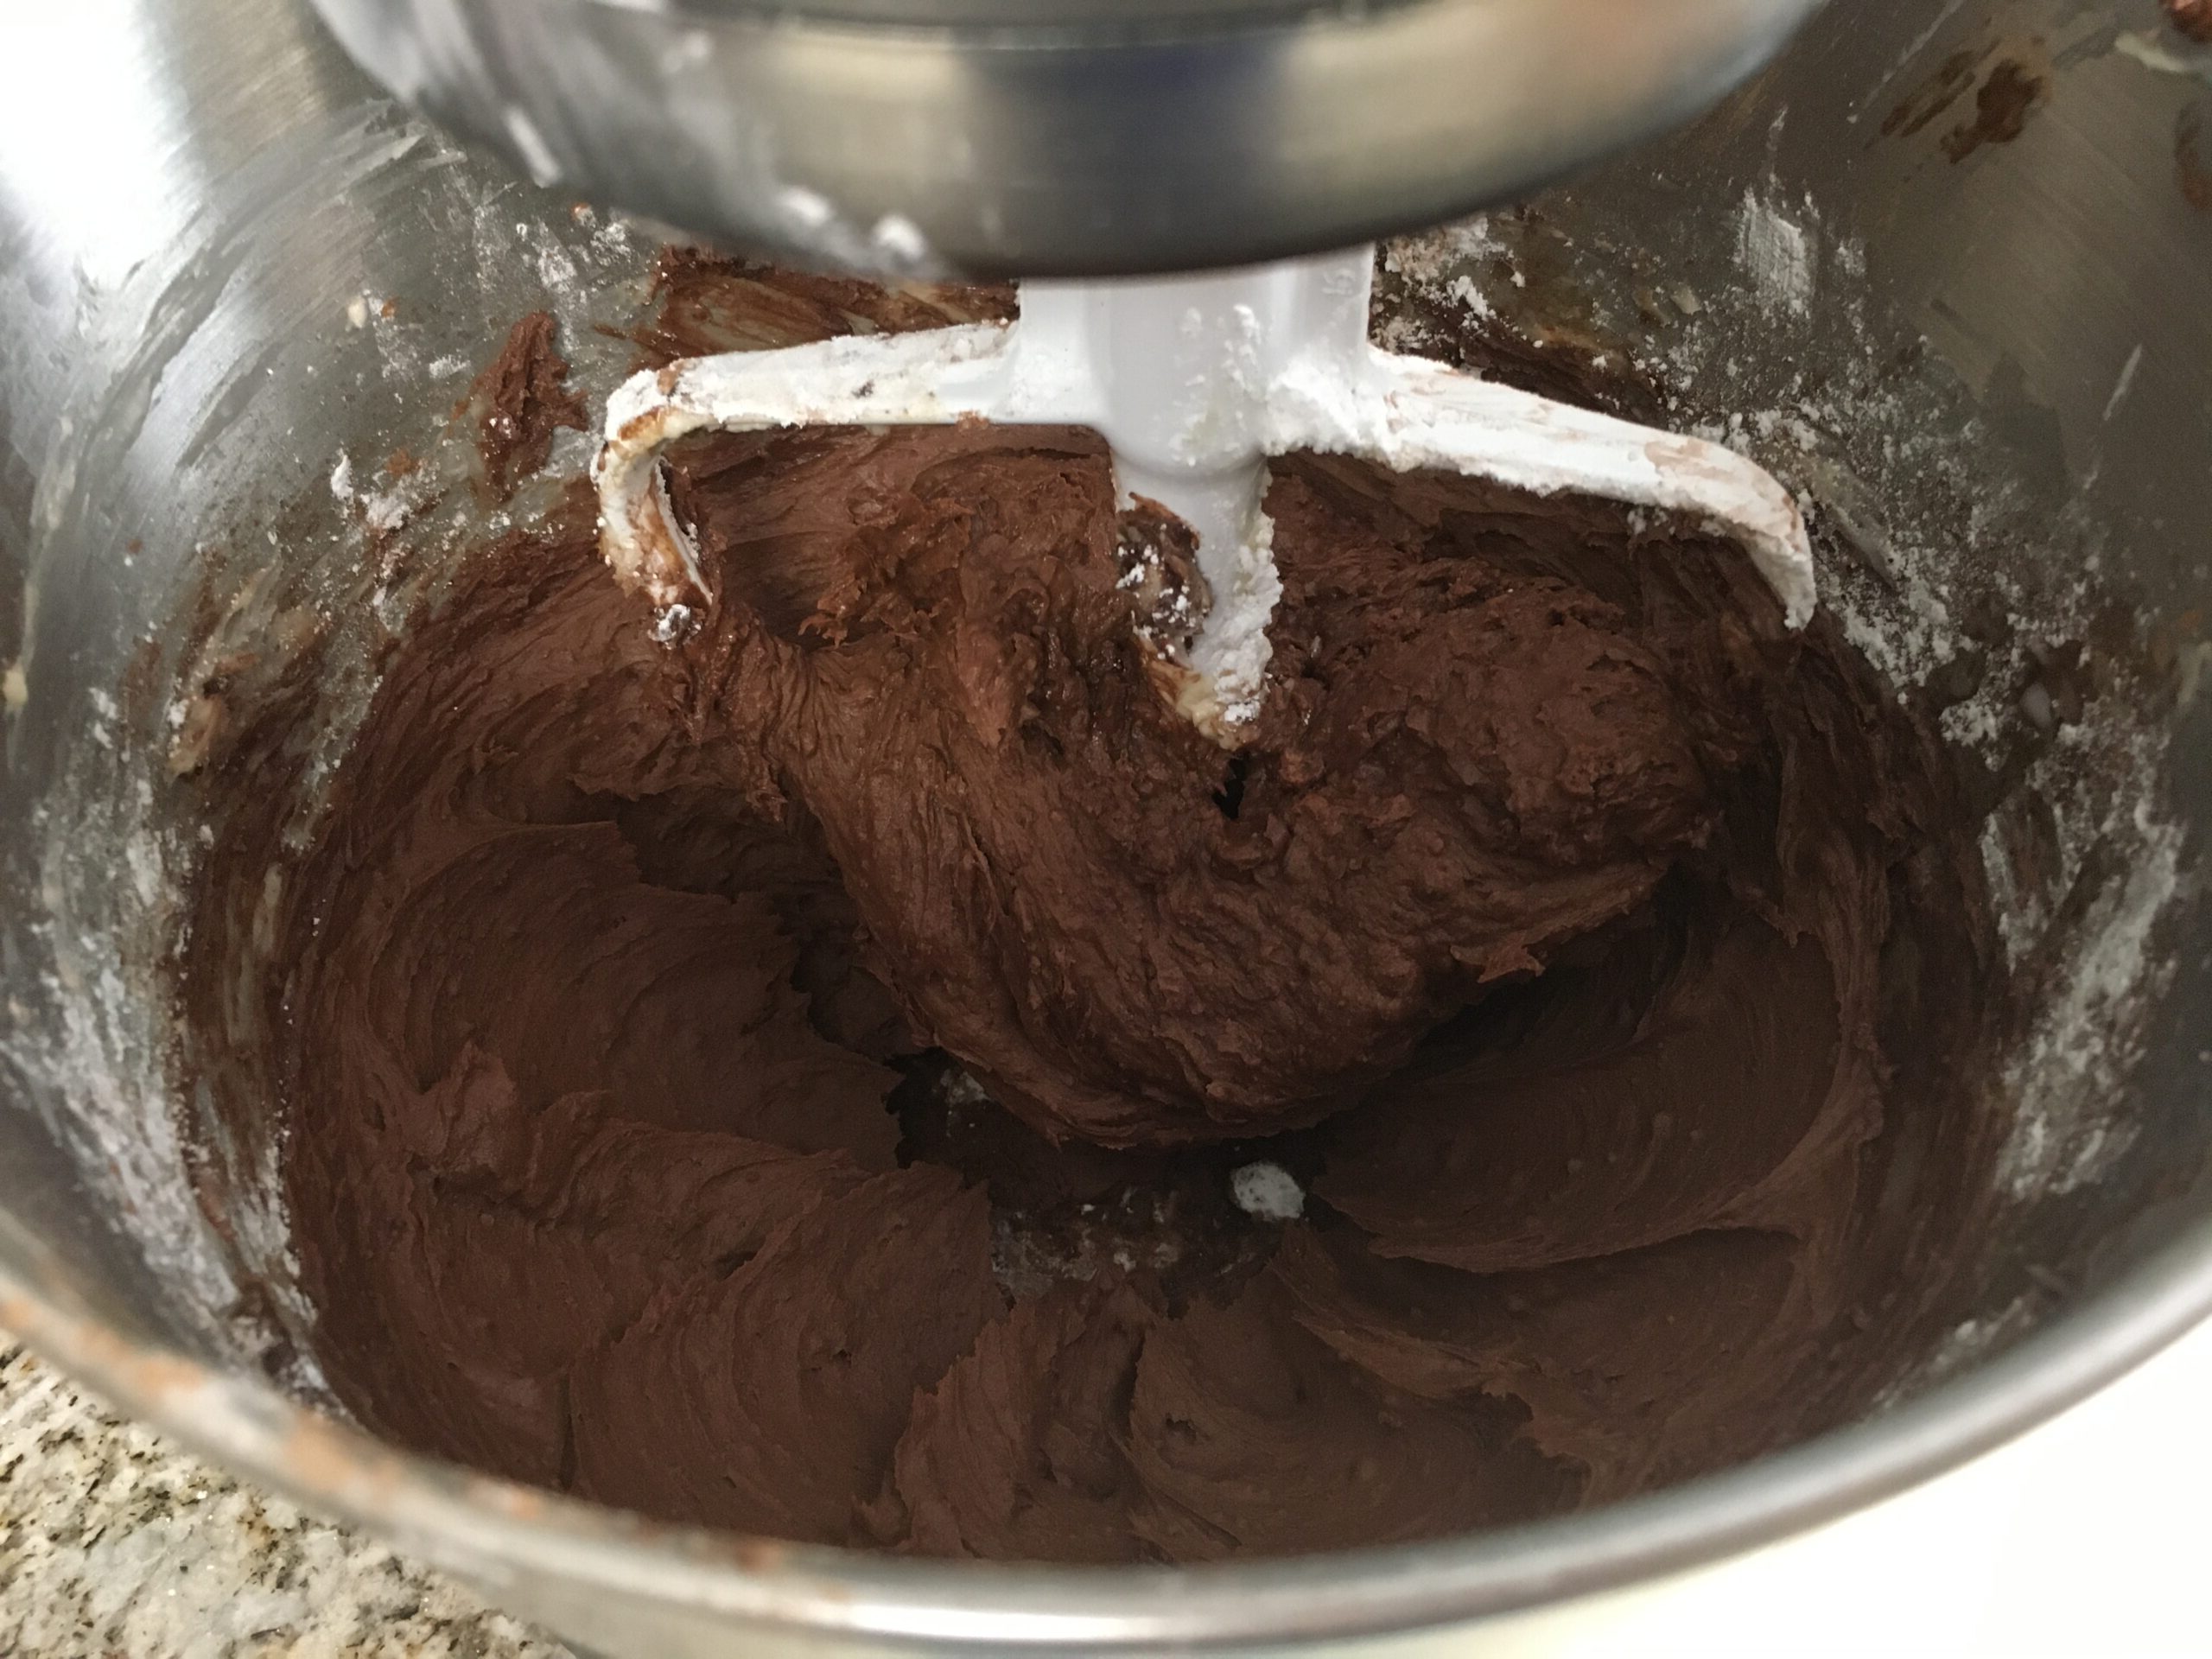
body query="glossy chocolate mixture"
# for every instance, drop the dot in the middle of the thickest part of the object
(783, 1070)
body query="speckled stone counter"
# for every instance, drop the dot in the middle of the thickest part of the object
(115, 1545)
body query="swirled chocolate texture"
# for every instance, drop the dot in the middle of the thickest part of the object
(781, 1068)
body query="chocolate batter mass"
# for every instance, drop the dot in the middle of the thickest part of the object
(786, 1074)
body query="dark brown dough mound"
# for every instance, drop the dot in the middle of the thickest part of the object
(787, 1079)
(1472, 758)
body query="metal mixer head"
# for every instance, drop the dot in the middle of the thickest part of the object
(1055, 137)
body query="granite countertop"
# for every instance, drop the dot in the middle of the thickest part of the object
(116, 1545)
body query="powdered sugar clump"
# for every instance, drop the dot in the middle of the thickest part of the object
(1776, 252)
(1268, 1192)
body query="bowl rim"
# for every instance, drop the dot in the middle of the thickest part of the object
(490, 1529)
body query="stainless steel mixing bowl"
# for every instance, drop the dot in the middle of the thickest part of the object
(1944, 265)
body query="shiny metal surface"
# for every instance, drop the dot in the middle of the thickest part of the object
(1078, 137)
(179, 366)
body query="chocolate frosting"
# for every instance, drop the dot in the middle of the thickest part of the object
(1017, 1454)
(1466, 762)
(519, 400)
(784, 1075)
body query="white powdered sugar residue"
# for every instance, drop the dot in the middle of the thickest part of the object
(1442, 252)
(1267, 1192)
(1464, 290)
(2067, 1078)
(100, 1049)
(380, 509)
(388, 509)
(1776, 253)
